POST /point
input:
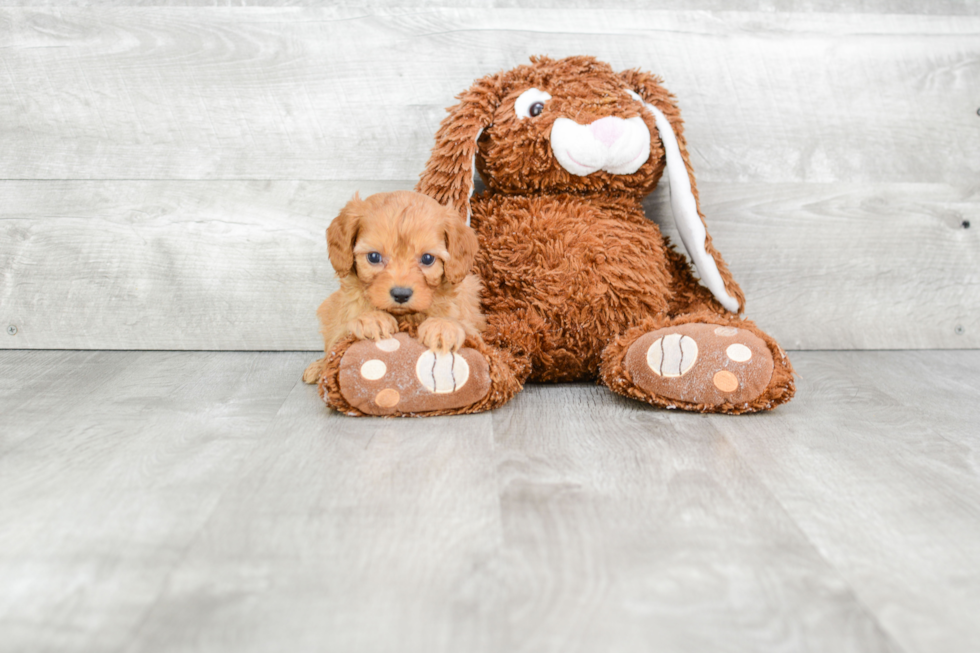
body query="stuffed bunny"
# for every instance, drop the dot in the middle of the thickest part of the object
(578, 283)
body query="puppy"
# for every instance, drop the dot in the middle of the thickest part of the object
(400, 257)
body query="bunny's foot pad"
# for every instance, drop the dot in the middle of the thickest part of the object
(399, 376)
(710, 366)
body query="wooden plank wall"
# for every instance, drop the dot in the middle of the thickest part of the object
(166, 173)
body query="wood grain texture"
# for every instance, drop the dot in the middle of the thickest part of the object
(208, 501)
(167, 265)
(935, 7)
(25, 383)
(242, 265)
(345, 534)
(630, 529)
(116, 466)
(849, 266)
(834, 151)
(349, 94)
(878, 461)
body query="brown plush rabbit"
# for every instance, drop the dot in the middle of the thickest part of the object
(579, 284)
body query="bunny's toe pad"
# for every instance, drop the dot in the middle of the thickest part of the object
(399, 376)
(697, 363)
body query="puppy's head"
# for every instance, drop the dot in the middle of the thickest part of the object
(404, 247)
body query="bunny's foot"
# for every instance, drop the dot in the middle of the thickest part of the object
(700, 366)
(401, 377)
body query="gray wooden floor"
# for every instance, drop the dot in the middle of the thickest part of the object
(160, 501)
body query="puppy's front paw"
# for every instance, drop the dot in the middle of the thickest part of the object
(442, 335)
(373, 326)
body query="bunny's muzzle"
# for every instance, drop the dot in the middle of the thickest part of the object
(616, 145)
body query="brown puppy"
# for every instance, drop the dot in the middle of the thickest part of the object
(401, 257)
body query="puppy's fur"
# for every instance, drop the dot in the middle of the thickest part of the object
(402, 227)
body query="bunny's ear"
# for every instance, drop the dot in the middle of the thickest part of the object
(448, 176)
(684, 202)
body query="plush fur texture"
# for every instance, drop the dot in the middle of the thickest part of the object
(424, 251)
(573, 270)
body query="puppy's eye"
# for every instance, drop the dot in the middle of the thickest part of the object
(530, 103)
(374, 258)
(427, 259)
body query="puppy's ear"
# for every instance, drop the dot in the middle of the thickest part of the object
(448, 176)
(341, 235)
(461, 243)
(684, 201)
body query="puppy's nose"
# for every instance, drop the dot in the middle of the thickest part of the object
(401, 294)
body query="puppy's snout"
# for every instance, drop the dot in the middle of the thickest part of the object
(401, 294)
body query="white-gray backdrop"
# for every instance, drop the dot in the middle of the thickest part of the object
(167, 173)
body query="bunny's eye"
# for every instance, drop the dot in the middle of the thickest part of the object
(427, 259)
(530, 103)
(374, 258)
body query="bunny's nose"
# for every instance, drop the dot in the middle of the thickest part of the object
(401, 294)
(607, 130)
